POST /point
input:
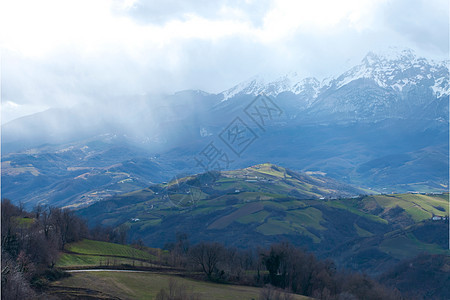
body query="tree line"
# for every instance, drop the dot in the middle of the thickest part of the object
(31, 241)
(281, 267)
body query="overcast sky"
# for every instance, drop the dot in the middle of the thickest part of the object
(57, 53)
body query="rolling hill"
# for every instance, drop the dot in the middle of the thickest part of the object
(266, 203)
(90, 253)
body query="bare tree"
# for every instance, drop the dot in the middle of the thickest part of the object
(121, 234)
(207, 256)
(67, 226)
(178, 250)
(14, 283)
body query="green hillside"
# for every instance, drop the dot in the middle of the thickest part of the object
(265, 203)
(89, 253)
(418, 207)
(103, 248)
(207, 192)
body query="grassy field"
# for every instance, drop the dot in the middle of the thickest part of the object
(79, 261)
(89, 253)
(23, 222)
(348, 204)
(361, 232)
(91, 247)
(419, 207)
(147, 286)
(241, 212)
(402, 247)
(130, 285)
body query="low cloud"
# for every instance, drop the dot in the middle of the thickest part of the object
(59, 55)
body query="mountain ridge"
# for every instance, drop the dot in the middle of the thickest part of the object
(372, 66)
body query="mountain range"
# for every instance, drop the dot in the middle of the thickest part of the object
(381, 126)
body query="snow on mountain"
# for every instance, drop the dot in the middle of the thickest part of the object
(310, 85)
(391, 69)
(252, 86)
(441, 85)
(397, 69)
(290, 82)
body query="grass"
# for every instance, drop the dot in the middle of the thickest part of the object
(257, 217)
(407, 245)
(297, 219)
(275, 227)
(243, 211)
(145, 224)
(89, 253)
(24, 222)
(91, 247)
(362, 232)
(419, 207)
(310, 217)
(271, 179)
(75, 260)
(344, 204)
(147, 286)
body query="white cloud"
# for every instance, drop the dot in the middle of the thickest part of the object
(58, 52)
(37, 28)
(11, 110)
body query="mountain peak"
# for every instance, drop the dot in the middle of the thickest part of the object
(392, 54)
(290, 82)
(393, 68)
(397, 69)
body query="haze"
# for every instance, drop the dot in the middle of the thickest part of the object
(59, 54)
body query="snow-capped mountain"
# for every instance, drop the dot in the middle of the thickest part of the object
(290, 82)
(395, 69)
(398, 70)
(386, 84)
